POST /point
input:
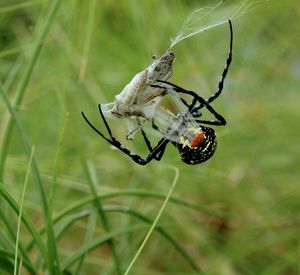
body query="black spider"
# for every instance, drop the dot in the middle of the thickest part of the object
(195, 142)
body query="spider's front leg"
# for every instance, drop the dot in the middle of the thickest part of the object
(224, 74)
(114, 142)
(195, 110)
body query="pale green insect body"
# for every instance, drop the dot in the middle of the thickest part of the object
(138, 101)
(138, 98)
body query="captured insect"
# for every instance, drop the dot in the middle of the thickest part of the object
(139, 99)
(195, 142)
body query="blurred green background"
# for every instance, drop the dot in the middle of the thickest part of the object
(247, 197)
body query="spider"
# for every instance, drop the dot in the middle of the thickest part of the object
(195, 142)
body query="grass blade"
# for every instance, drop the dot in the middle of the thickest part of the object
(137, 193)
(69, 221)
(21, 209)
(154, 222)
(26, 145)
(18, 6)
(88, 238)
(51, 241)
(87, 40)
(7, 263)
(9, 239)
(27, 222)
(96, 243)
(25, 80)
(84, 203)
(159, 229)
(98, 204)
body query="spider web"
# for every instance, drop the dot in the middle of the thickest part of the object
(203, 19)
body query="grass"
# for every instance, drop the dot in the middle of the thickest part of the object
(87, 208)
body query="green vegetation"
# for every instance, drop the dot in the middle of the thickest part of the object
(87, 208)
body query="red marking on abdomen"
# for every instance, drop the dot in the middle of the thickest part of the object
(198, 138)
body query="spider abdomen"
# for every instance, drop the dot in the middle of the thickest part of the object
(197, 145)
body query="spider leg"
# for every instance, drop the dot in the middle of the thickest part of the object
(224, 74)
(228, 62)
(147, 141)
(95, 129)
(196, 112)
(180, 90)
(160, 152)
(196, 98)
(105, 122)
(184, 102)
(156, 128)
(220, 119)
(161, 87)
(155, 153)
(136, 158)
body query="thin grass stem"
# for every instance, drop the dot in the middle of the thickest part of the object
(21, 209)
(154, 222)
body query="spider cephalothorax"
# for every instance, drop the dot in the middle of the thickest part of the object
(197, 144)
